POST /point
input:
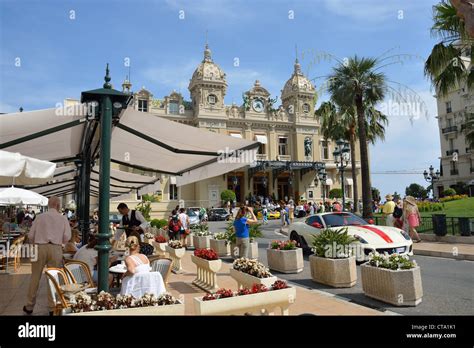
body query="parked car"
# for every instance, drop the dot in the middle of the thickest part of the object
(197, 210)
(273, 214)
(372, 237)
(193, 217)
(218, 214)
(116, 219)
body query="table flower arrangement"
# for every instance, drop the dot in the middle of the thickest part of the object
(149, 235)
(199, 233)
(82, 302)
(175, 244)
(252, 267)
(220, 236)
(283, 244)
(206, 254)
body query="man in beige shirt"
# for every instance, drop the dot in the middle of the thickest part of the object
(49, 231)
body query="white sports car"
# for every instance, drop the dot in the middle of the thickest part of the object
(371, 237)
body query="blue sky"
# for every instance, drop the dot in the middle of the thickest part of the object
(52, 50)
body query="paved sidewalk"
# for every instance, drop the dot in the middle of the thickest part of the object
(13, 289)
(448, 250)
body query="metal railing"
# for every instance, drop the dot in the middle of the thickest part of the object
(426, 226)
(450, 152)
(450, 129)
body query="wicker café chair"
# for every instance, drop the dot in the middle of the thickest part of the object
(78, 272)
(56, 278)
(162, 265)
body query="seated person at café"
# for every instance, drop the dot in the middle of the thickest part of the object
(71, 246)
(89, 255)
(145, 248)
(138, 280)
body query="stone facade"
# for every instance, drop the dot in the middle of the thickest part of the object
(289, 133)
(457, 157)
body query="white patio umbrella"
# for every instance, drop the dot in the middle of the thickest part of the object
(16, 169)
(17, 196)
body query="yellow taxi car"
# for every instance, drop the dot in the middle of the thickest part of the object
(272, 214)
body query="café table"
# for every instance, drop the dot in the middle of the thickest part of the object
(117, 271)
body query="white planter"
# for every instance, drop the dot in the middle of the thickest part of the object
(253, 251)
(206, 277)
(338, 273)
(176, 255)
(190, 241)
(221, 247)
(264, 302)
(399, 288)
(245, 280)
(160, 248)
(202, 242)
(285, 261)
(175, 309)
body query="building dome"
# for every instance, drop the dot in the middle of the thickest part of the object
(207, 70)
(298, 83)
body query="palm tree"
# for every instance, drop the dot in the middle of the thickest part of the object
(341, 122)
(356, 82)
(448, 64)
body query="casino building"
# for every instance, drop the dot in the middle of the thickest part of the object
(291, 151)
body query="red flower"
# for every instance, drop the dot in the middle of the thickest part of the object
(160, 239)
(256, 288)
(209, 297)
(206, 254)
(223, 293)
(279, 284)
(244, 291)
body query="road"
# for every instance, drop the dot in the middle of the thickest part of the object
(448, 285)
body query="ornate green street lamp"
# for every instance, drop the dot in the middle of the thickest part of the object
(342, 158)
(108, 103)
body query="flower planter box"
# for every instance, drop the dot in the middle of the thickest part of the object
(190, 241)
(206, 277)
(176, 255)
(202, 242)
(265, 302)
(160, 248)
(221, 247)
(285, 261)
(338, 273)
(247, 281)
(162, 233)
(399, 288)
(253, 251)
(175, 309)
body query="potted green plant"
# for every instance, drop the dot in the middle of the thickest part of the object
(285, 256)
(201, 236)
(220, 244)
(333, 262)
(393, 279)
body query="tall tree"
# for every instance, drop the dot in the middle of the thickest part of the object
(448, 65)
(341, 122)
(357, 82)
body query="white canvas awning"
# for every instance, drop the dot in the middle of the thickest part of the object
(261, 138)
(349, 181)
(139, 140)
(17, 196)
(17, 128)
(16, 169)
(236, 135)
(329, 182)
